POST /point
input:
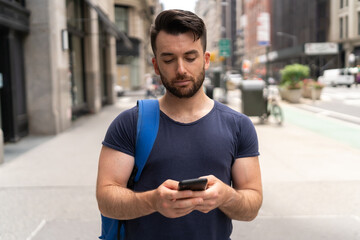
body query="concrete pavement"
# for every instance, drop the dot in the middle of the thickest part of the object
(311, 181)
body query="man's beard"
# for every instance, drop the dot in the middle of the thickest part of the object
(186, 91)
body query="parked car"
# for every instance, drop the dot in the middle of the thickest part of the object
(336, 77)
(233, 80)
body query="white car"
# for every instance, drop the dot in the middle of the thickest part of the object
(336, 77)
(233, 81)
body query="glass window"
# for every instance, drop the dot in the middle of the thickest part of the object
(76, 69)
(346, 27)
(74, 13)
(341, 3)
(122, 18)
(358, 22)
(341, 28)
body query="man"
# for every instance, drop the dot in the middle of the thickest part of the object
(197, 137)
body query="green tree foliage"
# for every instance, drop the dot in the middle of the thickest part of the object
(292, 75)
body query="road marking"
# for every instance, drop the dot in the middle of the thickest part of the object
(340, 130)
(352, 102)
(341, 116)
(37, 230)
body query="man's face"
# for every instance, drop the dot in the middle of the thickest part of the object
(181, 63)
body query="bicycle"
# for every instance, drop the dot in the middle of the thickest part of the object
(273, 108)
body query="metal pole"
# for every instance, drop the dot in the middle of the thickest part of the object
(267, 65)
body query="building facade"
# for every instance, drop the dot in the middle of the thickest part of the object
(220, 20)
(296, 28)
(255, 47)
(134, 18)
(57, 61)
(345, 30)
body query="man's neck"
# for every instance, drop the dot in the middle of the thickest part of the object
(186, 110)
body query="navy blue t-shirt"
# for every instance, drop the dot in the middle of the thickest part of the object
(208, 146)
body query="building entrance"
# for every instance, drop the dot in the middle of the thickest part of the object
(14, 120)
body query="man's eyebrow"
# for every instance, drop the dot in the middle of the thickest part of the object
(192, 52)
(164, 54)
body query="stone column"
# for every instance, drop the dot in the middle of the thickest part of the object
(93, 91)
(47, 64)
(1, 147)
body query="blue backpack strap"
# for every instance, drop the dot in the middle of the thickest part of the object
(109, 228)
(146, 132)
(147, 129)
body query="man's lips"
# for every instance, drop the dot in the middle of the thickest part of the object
(182, 82)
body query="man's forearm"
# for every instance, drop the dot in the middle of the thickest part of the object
(242, 204)
(122, 203)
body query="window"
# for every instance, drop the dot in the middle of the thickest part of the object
(341, 4)
(346, 27)
(74, 14)
(75, 17)
(358, 22)
(341, 28)
(122, 18)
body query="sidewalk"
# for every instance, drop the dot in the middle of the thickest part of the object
(309, 179)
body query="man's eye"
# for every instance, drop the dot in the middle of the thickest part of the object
(168, 61)
(190, 59)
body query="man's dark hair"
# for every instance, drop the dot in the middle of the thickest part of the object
(177, 22)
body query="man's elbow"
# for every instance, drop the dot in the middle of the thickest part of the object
(250, 217)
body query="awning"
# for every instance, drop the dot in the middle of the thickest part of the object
(111, 27)
(14, 16)
(122, 50)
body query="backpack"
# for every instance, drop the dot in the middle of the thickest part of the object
(147, 129)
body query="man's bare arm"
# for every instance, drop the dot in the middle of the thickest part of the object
(244, 199)
(117, 201)
(114, 199)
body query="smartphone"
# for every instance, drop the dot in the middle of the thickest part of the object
(196, 184)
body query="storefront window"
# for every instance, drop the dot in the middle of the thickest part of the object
(132, 63)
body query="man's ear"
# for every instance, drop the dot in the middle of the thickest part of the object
(156, 67)
(207, 60)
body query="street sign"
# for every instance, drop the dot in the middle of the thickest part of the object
(224, 47)
(322, 48)
(263, 29)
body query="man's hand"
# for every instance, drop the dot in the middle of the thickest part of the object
(171, 203)
(214, 196)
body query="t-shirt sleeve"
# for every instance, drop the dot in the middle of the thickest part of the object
(248, 145)
(121, 134)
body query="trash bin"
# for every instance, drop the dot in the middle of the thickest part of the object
(209, 90)
(216, 79)
(253, 102)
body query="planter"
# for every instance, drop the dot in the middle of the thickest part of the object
(290, 95)
(312, 93)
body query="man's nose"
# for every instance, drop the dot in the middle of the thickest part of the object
(180, 67)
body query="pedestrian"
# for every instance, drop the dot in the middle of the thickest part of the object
(150, 87)
(197, 137)
(357, 79)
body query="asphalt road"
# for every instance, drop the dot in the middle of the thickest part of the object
(338, 102)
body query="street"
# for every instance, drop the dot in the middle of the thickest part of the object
(310, 170)
(339, 102)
